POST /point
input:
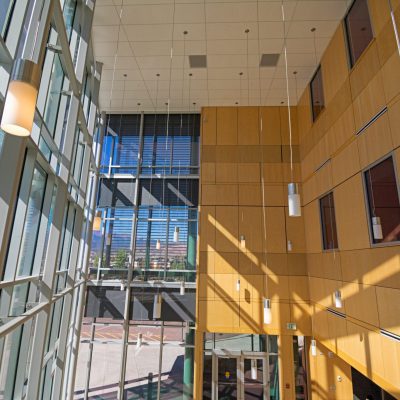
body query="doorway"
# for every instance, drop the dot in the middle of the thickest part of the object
(240, 375)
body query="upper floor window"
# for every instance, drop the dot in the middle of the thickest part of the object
(358, 28)
(328, 221)
(383, 202)
(6, 10)
(317, 94)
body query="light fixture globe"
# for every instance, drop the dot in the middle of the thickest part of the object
(20, 102)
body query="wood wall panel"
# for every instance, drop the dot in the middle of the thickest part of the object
(248, 125)
(271, 126)
(334, 64)
(352, 227)
(227, 126)
(209, 126)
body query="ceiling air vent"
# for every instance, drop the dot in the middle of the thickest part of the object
(269, 60)
(198, 61)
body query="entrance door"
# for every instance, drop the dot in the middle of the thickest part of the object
(240, 376)
(255, 378)
(227, 378)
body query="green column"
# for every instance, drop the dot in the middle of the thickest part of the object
(188, 366)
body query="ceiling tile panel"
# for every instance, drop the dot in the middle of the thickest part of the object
(215, 28)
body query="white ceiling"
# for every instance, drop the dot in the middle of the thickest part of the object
(140, 45)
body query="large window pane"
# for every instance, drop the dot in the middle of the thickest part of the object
(328, 221)
(383, 202)
(317, 94)
(69, 14)
(1, 140)
(54, 94)
(6, 9)
(359, 29)
(32, 222)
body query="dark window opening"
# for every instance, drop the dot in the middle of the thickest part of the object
(328, 220)
(383, 202)
(317, 94)
(364, 388)
(358, 29)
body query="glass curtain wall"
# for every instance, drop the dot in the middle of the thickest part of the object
(167, 193)
(47, 191)
(146, 219)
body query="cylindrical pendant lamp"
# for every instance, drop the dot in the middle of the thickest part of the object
(294, 200)
(377, 228)
(157, 306)
(20, 102)
(267, 312)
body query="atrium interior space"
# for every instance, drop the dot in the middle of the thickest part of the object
(199, 199)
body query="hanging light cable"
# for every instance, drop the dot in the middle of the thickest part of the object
(267, 310)
(247, 65)
(376, 221)
(394, 23)
(293, 190)
(240, 86)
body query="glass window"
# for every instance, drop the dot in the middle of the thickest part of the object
(317, 94)
(328, 221)
(300, 367)
(1, 140)
(54, 94)
(6, 10)
(383, 202)
(69, 14)
(358, 28)
(32, 222)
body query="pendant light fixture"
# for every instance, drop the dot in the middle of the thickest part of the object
(97, 222)
(313, 347)
(242, 241)
(182, 288)
(294, 200)
(377, 228)
(376, 221)
(293, 191)
(176, 234)
(157, 306)
(139, 341)
(338, 299)
(20, 102)
(253, 369)
(267, 312)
